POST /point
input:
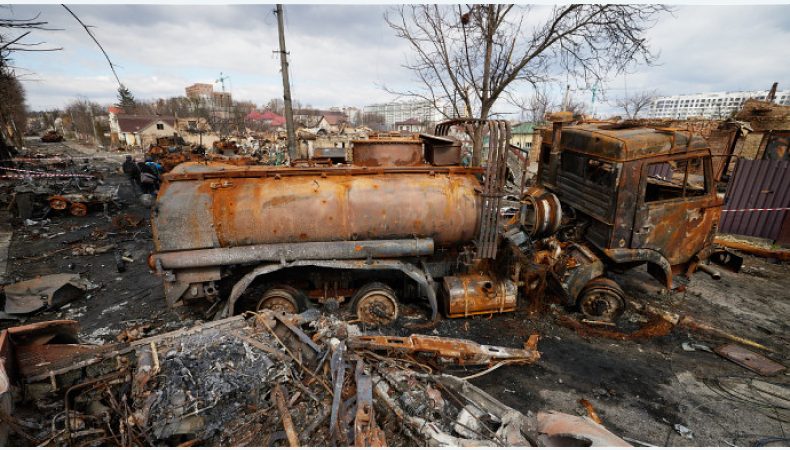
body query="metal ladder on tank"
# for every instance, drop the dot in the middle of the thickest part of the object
(494, 184)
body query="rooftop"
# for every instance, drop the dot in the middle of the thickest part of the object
(130, 123)
(627, 144)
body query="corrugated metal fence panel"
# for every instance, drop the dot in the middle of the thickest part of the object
(757, 199)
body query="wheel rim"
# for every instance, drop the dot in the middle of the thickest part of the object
(78, 209)
(278, 300)
(377, 307)
(58, 203)
(602, 304)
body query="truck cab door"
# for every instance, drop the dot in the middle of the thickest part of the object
(677, 207)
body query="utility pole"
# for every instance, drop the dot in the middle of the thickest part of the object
(289, 113)
(96, 141)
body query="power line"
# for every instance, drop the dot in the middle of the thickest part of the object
(87, 29)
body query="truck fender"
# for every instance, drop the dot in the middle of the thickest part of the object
(652, 257)
(408, 269)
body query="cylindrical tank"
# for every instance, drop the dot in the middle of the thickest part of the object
(387, 152)
(305, 206)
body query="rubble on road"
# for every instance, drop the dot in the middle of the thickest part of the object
(48, 291)
(270, 378)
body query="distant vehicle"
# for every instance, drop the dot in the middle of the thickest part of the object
(52, 136)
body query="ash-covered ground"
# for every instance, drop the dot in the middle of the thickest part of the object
(643, 389)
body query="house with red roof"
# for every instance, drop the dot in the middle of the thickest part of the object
(268, 118)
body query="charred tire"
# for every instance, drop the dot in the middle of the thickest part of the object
(282, 298)
(375, 304)
(58, 203)
(78, 209)
(602, 299)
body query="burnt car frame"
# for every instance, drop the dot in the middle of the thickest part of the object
(641, 195)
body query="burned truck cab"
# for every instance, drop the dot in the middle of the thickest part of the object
(637, 195)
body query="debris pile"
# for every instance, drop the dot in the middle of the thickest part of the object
(271, 378)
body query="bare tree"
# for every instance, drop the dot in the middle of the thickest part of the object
(15, 37)
(85, 123)
(468, 57)
(635, 103)
(534, 108)
(373, 121)
(277, 106)
(579, 108)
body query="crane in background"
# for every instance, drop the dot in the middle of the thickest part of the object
(221, 80)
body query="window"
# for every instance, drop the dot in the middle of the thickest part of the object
(595, 171)
(160, 126)
(675, 179)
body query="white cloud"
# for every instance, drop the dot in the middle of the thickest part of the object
(342, 55)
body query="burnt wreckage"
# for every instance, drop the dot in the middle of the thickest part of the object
(406, 220)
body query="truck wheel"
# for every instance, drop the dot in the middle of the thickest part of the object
(602, 300)
(375, 304)
(58, 202)
(282, 298)
(78, 209)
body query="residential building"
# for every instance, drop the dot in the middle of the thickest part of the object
(140, 130)
(402, 111)
(267, 118)
(196, 131)
(522, 135)
(412, 125)
(200, 91)
(712, 105)
(219, 103)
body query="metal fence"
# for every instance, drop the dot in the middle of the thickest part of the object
(757, 202)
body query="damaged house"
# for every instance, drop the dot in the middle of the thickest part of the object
(139, 130)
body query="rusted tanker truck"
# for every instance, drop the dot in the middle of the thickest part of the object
(407, 221)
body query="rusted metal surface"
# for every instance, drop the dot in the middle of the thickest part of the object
(627, 144)
(753, 361)
(366, 432)
(752, 249)
(291, 252)
(412, 272)
(541, 212)
(776, 146)
(564, 430)
(52, 136)
(387, 152)
(602, 300)
(459, 351)
(578, 265)
(648, 193)
(285, 415)
(376, 304)
(228, 212)
(442, 150)
(221, 169)
(468, 295)
(590, 410)
(77, 203)
(493, 189)
(679, 227)
(722, 145)
(757, 202)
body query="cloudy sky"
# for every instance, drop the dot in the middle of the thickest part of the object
(343, 55)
